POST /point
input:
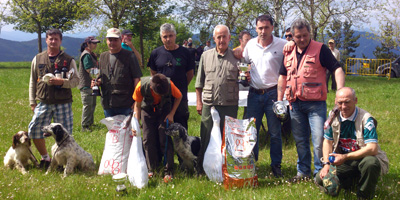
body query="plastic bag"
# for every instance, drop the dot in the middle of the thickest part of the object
(137, 168)
(239, 169)
(212, 163)
(117, 145)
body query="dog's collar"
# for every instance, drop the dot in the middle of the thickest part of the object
(62, 141)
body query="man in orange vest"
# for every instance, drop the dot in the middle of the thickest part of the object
(303, 81)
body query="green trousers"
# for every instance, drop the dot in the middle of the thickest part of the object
(207, 124)
(363, 173)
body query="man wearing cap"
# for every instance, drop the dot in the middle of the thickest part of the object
(175, 62)
(352, 141)
(119, 74)
(54, 95)
(87, 61)
(335, 53)
(128, 45)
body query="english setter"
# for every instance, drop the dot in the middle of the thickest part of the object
(187, 147)
(20, 153)
(66, 152)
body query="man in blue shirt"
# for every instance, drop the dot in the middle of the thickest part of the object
(127, 44)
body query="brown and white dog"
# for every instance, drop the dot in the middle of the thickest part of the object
(20, 153)
(66, 152)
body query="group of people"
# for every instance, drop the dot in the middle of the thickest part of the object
(294, 70)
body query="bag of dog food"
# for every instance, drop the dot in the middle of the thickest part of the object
(239, 167)
(117, 146)
(137, 168)
(212, 163)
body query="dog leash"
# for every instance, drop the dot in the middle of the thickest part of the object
(62, 141)
(30, 151)
(166, 144)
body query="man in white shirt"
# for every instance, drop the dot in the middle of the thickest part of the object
(265, 52)
(336, 54)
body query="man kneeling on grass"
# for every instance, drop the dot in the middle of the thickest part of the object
(153, 107)
(353, 141)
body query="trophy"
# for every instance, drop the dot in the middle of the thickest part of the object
(243, 68)
(93, 73)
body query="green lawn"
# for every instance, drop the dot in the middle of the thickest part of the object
(379, 96)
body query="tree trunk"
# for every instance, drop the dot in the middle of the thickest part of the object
(141, 33)
(39, 32)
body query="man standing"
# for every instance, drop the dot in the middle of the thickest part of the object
(216, 85)
(265, 54)
(175, 62)
(288, 35)
(353, 141)
(302, 80)
(208, 46)
(336, 54)
(54, 96)
(128, 45)
(244, 37)
(119, 74)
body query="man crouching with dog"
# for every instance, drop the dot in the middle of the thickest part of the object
(352, 145)
(153, 107)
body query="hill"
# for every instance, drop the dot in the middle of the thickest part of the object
(12, 51)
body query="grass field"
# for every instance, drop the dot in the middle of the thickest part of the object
(379, 96)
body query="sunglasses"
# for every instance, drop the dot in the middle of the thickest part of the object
(288, 36)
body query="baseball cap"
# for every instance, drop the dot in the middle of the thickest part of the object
(127, 32)
(331, 41)
(113, 33)
(91, 39)
(331, 182)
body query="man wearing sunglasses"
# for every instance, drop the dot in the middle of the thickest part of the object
(288, 35)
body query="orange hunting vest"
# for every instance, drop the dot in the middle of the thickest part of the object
(308, 82)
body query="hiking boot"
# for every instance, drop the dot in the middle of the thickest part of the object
(44, 164)
(298, 178)
(276, 170)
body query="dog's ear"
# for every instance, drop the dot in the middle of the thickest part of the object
(16, 138)
(182, 133)
(58, 132)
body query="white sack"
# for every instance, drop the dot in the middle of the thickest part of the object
(137, 168)
(212, 163)
(117, 146)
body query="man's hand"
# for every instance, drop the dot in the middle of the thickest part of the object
(238, 53)
(288, 47)
(199, 107)
(33, 106)
(324, 171)
(170, 118)
(56, 81)
(93, 83)
(339, 158)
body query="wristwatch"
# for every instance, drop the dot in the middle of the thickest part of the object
(325, 163)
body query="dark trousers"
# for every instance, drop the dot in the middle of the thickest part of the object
(182, 114)
(328, 75)
(364, 172)
(154, 139)
(207, 124)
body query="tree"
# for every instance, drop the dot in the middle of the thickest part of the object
(349, 42)
(319, 12)
(335, 32)
(237, 15)
(37, 16)
(115, 11)
(141, 20)
(389, 15)
(384, 51)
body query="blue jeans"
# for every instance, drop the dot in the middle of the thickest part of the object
(257, 105)
(117, 111)
(308, 116)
